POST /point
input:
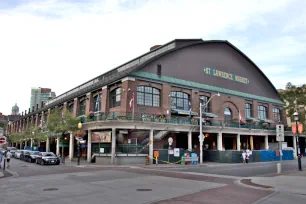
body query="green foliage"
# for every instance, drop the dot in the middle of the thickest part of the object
(295, 98)
(62, 124)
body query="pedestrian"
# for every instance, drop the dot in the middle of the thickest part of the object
(243, 156)
(247, 157)
(8, 158)
(1, 156)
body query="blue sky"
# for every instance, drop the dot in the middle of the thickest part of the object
(61, 44)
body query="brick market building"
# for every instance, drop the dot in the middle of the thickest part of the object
(137, 106)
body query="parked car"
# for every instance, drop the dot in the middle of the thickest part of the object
(17, 154)
(47, 158)
(31, 156)
(23, 154)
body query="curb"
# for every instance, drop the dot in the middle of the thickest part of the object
(255, 186)
(266, 197)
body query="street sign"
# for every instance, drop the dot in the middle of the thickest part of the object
(280, 133)
(2, 140)
(170, 151)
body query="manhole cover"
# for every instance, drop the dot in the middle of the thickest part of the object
(50, 189)
(144, 189)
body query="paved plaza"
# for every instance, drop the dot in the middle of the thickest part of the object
(27, 183)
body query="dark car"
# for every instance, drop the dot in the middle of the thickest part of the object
(31, 156)
(47, 158)
(23, 154)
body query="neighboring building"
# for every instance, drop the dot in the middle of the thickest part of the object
(3, 121)
(156, 96)
(40, 96)
(15, 110)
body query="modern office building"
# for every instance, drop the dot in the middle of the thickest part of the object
(135, 108)
(39, 96)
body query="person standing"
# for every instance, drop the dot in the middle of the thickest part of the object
(243, 156)
(1, 156)
(8, 158)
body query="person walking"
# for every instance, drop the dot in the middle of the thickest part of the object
(8, 158)
(243, 156)
(1, 156)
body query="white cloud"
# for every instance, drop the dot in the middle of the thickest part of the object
(60, 45)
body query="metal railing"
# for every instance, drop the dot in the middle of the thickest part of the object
(145, 117)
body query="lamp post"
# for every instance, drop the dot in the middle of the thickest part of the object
(201, 138)
(296, 119)
(79, 145)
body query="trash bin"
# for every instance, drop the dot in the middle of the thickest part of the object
(194, 155)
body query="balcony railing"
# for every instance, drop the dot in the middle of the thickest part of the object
(173, 120)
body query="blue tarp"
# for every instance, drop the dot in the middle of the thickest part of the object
(270, 155)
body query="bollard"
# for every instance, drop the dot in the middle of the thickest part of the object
(300, 163)
(279, 168)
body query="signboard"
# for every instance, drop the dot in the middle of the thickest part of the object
(170, 151)
(125, 132)
(101, 137)
(293, 127)
(280, 133)
(225, 75)
(101, 150)
(2, 140)
(176, 152)
(156, 153)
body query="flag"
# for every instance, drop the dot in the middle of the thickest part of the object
(240, 118)
(189, 109)
(131, 101)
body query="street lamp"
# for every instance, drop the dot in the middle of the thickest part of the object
(201, 138)
(79, 144)
(296, 119)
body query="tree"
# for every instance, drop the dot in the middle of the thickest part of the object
(61, 123)
(295, 99)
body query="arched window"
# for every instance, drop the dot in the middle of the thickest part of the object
(148, 96)
(179, 100)
(277, 114)
(227, 114)
(262, 112)
(115, 98)
(96, 103)
(82, 107)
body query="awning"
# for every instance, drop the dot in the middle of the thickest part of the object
(183, 112)
(251, 119)
(266, 121)
(209, 115)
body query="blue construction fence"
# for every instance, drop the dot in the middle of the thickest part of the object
(232, 156)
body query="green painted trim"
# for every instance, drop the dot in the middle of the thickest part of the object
(192, 84)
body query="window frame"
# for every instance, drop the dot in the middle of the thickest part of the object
(262, 111)
(248, 110)
(183, 100)
(82, 107)
(145, 97)
(277, 113)
(114, 95)
(96, 99)
(202, 101)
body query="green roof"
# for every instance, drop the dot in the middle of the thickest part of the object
(192, 84)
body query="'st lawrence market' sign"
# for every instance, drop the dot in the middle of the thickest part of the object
(225, 75)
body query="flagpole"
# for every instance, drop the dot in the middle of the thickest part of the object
(133, 108)
(239, 117)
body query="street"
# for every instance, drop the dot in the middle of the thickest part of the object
(32, 183)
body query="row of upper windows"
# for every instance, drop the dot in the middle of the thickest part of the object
(262, 112)
(150, 96)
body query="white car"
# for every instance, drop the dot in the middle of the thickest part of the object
(17, 154)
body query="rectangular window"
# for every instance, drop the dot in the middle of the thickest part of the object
(203, 101)
(159, 68)
(277, 114)
(248, 110)
(262, 113)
